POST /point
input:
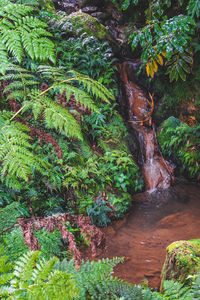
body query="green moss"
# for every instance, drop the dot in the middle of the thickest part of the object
(83, 22)
(182, 262)
(173, 246)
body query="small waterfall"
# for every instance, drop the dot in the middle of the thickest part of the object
(156, 171)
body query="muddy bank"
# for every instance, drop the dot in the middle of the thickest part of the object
(155, 221)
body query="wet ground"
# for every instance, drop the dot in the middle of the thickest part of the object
(155, 220)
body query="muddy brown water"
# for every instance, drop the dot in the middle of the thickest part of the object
(155, 220)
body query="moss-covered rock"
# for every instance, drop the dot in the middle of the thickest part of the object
(182, 262)
(81, 22)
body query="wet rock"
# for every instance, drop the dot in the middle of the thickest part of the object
(99, 15)
(182, 262)
(116, 15)
(156, 174)
(83, 22)
(68, 6)
(89, 9)
(80, 22)
(156, 171)
(112, 26)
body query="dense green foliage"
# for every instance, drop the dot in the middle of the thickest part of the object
(181, 142)
(178, 99)
(166, 35)
(62, 149)
(63, 143)
(52, 105)
(33, 277)
(79, 52)
(30, 36)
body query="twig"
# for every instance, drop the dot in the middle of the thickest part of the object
(9, 228)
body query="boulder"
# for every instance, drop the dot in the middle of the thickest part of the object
(182, 262)
(81, 22)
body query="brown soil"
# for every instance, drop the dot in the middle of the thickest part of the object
(155, 221)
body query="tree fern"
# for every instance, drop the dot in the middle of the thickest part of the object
(36, 279)
(20, 81)
(55, 116)
(24, 85)
(22, 33)
(16, 155)
(66, 80)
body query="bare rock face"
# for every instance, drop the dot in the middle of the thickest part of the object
(68, 6)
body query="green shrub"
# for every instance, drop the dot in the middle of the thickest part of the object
(181, 142)
(99, 213)
(89, 56)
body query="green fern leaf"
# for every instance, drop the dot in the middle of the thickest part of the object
(16, 151)
(22, 33)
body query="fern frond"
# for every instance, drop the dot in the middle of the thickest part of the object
(3, 57)
(6, 291)
(36, 279)
(5, 273)
(16, 153)
(43, 269)
(93, 86)
(175, 290)
(25, 266)
(22, 33)
(95, 280)
(55, 116)
(81, 97)
(23, 85)
(195, 289)
(5, 278)
(54, 73)
(19, 81)
(61, 78)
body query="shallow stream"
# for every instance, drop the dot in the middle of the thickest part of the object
(155, 220)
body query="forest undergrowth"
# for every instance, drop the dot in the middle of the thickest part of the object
(66, 168)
